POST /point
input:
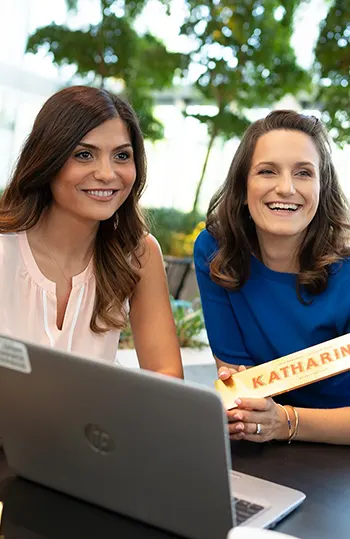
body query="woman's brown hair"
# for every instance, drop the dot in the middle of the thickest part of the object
(61, 124)
(228, 220)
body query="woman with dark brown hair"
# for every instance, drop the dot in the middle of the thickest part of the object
(273, 269)
(75, 256)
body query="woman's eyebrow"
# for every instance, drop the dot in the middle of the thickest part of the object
(272, 164)
(303, 163)
(269, 163)
(94, 147)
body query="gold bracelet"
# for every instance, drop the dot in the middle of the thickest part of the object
(290, 433)
(295, 432)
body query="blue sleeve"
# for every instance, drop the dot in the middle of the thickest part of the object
(223, 332)
(342, 307)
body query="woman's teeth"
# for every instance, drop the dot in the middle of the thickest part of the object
(282, 206)
(100, 193)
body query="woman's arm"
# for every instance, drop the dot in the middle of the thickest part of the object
(331, 426)
(151, 317)
(221, 324)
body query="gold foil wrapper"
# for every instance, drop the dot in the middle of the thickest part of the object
(287, 373)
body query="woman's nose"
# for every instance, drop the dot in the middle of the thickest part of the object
(104, 171)
(285, 185)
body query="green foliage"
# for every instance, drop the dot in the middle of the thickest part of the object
(104, 48)
(126, 339)
(165, 222)
(189, 323)
(245, 51)
(113, 51)
(129, 8)
(225, 123)
(333, 67)
(245, 58)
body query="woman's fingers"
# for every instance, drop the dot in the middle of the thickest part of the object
(235, 428)
(249, 432)
(259, 424)
(260, 404)
(246, 416)
(245, 428)
(239, 436)
(225, 372)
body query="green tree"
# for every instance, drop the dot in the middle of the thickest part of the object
(332, 65)
(246, 60)
(112, 51)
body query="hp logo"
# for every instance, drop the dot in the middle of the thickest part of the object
(99, 440)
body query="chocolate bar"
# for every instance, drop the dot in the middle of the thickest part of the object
(288, 372)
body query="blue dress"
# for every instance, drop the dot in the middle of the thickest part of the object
(265, 320)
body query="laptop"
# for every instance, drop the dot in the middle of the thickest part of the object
(135, 442)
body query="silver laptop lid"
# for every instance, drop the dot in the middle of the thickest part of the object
(135, 442)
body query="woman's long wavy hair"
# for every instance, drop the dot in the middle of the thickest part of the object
(61, 124)
(327, 237)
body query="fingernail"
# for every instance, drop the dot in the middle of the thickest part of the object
(239, 426)
(237, 416)
(238, 401)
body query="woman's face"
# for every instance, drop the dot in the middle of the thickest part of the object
(283, 184)
(99, 175)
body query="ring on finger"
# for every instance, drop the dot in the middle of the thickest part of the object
(258, 428)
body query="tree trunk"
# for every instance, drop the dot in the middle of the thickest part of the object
(200, 183)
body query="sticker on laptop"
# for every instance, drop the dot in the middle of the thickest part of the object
(14, 355)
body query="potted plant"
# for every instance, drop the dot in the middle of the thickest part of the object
(190, 330)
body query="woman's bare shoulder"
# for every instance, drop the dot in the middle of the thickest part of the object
(148, 250)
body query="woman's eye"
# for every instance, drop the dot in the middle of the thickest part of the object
(304, 173)
(122, 156)
(266, 171)
(83, 155)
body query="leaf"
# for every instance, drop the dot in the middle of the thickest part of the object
(113, 50)
(245, 55)
(332, 68)
(225, 124)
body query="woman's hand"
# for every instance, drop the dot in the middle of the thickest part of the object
(225, 372)
(257, 420)
(244, 420)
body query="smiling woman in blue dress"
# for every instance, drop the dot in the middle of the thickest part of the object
(273, 270)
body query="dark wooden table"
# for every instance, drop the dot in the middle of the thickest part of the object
(322, 472)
